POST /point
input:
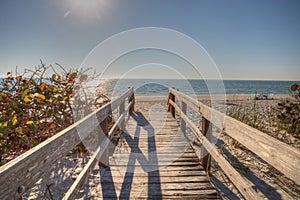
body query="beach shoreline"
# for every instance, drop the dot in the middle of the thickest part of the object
(228, 97)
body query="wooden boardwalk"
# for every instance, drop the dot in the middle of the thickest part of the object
(157, 163)
(155, 160)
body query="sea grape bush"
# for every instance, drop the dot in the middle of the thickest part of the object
(34, 106)
(290, 111)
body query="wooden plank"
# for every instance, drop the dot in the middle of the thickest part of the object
(164, 179)
(161, 144)
(174, 186)
(283, 157)
(20, 174)
(152, 193)
(161, 164)
(176, 173)
(184, 155)
(243, 185)
(164, 150)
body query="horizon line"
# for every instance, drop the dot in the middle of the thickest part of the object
(225, 79)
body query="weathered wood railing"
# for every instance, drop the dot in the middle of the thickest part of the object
(20, 174)
(278, 154)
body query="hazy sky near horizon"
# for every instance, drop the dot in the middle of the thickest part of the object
(257, 39)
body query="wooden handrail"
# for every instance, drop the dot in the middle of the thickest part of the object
(77, 185)
(20, 174)
(241, 183)
(278, 154)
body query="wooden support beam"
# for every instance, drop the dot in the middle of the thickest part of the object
(131, 98)
(171, 97)
(182, 122)
(206, 130)
(121, 110)
(104, 159)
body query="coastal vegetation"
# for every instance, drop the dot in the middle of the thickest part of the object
(290, 111)
(278, 118)
(38, 103)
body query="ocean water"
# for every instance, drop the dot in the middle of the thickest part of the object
(113, 87)
(160, 86)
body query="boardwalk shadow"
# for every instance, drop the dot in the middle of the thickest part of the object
(107, 183)
(149, 166)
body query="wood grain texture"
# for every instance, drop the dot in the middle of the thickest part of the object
(151, 168)
(206, 131)
(282, 156)
(244, 186)
(27, 169)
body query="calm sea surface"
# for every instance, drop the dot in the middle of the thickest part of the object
(160, 86)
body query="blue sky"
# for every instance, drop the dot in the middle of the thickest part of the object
(246, 39)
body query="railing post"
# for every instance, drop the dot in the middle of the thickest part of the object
(131, 99)
(171, 109)
(182, 122)
(206, 130)
(121, 110)
(104, 159)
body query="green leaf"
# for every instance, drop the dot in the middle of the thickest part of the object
(14, 121)
(8, 147)
(3, 124)
(19, 130)
(73, 75)
(55, 88)
(25, 93)
(27, 99)
(3, 95)
(32, 127)
(34, 143)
